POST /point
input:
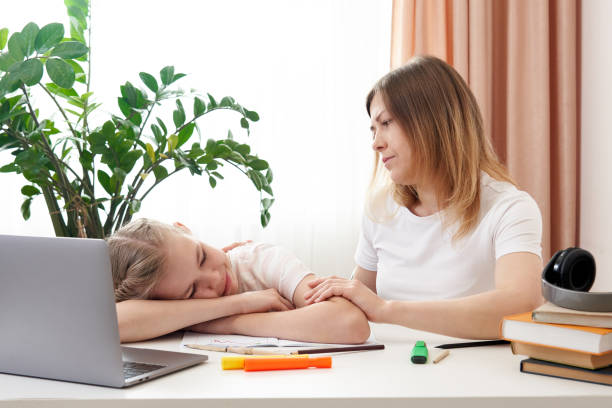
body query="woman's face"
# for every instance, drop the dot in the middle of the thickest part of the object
(391, 142)
(194, 270)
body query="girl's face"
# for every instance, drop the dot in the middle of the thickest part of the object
(392, 143)
(194, 270)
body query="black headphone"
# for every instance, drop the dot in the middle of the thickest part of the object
(567, 278)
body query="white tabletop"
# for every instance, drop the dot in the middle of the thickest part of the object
(468, 377)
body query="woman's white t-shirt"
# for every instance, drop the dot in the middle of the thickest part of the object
(263, 266)
(415, 259)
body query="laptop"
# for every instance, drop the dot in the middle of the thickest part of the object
(58, 318)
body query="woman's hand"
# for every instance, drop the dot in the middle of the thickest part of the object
(267, 300)
(353, 290)
(234, 245)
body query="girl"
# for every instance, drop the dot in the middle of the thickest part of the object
(165, 280)
(448, 243)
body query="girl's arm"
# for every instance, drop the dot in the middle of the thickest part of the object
(517, 289)
(145, 319)
(334, 321)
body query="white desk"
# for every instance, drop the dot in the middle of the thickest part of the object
(471, 377)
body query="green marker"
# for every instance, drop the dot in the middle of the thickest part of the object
(419, 353)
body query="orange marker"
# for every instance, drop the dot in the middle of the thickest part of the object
(262, 364)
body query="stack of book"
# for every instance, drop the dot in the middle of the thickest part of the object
(562, 343)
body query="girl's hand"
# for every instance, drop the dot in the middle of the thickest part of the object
(353, 290)
(267, 300)
(234, 245)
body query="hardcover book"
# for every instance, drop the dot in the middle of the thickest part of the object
(568, 357)
(533, 366)
(551, 313)
(587, 339)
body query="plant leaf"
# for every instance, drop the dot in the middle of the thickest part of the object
(31, 71)
(258, 164)
(265, 218)
(28, 34)
(160, 173)
(104, 180)
(212, 181)
(3, 37)
(150, 152)
(199, 107)
(133, 96)
(252, 115)
(244, 123)
(29, 191)
(167, 75)
(16, 47)
(267, 203)
(48, 37)
(60, 72)
(135, 206)
(149, 81)
(69, 50)
(6, 61)
(172, 142)
(178, 116)
(25, 208)
(185, 134)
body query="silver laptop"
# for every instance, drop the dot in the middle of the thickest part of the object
(58, 318)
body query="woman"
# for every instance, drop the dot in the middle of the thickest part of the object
(448, 243)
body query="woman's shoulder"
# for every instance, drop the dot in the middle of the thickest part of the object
(501, 195)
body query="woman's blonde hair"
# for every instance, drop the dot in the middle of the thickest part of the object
(441, 119)
(137, 254)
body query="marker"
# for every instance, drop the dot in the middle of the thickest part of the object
(419, 353)
(237, 362)
(263, 364)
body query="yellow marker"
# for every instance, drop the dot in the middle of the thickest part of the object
(237, 362)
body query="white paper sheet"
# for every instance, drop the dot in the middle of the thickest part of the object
(233, 340)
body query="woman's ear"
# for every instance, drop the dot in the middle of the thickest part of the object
(181, 226)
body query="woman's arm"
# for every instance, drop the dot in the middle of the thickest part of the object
(334, 321)
(517, 289)
(145, 319)
(366, 277)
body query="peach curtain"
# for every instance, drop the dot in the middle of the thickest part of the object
(521, 59)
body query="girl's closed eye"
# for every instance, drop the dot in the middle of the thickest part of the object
(386, 122)
(203, 257)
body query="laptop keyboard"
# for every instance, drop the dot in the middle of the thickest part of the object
(132, 369)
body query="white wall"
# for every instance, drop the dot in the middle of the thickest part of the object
(596, 166)
(305, 67)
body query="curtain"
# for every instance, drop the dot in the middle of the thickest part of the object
(521, 60)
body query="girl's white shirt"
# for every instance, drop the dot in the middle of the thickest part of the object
(263, 266)
(415, 258)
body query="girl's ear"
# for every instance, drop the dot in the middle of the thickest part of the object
(181, 226)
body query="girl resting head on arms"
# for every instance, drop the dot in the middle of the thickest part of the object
(166, 279)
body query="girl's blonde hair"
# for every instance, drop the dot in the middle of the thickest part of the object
(137, 254)
(441, 119)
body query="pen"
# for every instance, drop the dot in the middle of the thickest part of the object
(472, 344)
(237, 350)
(263, 364)
(339, 349)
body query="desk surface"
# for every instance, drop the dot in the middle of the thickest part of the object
(470, 377)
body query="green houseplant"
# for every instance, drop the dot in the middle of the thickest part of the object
(94, 177)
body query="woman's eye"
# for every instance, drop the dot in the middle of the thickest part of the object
(386, 122)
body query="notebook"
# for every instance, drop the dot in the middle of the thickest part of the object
(58, 318)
